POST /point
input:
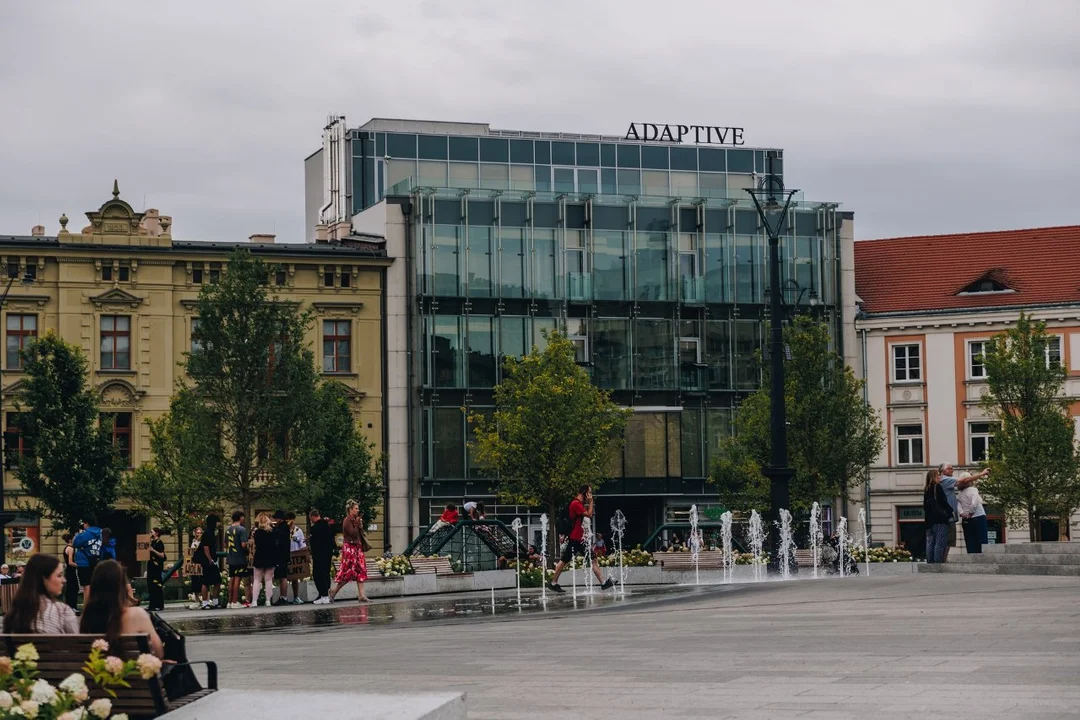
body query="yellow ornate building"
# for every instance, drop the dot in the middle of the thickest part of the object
(125, 291)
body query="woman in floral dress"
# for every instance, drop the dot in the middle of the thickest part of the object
(353, 567)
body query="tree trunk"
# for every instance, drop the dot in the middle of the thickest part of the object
(1033, 525)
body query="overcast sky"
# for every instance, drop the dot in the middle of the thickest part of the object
(921, 117)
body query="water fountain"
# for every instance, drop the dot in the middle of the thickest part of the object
(816, 536)
(841, 537)
(587, 538)
(543, 556)
(757, 541)
(695, 543)
(866, 538)
(618, 527)
(516, 527)
(786, 555)
(725, 539)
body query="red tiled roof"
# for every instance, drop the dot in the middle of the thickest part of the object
(1041, 266)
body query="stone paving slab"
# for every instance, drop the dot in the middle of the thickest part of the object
(921, 645)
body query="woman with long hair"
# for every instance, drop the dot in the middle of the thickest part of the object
(353, 566)
(36, 607)
(109, 611)
(264, 559)
(71, 574)
(206, 556)
(937, 516)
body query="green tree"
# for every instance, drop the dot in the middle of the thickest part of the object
(738, 478)
(334, 461)
(74, 470)
(832, 434)
(552, 430)
(1034, 465)
(253, 372)
(182, 481)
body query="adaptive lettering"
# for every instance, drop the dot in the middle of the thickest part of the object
(714, 134)
(632, 133)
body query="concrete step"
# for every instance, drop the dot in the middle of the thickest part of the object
(1000, 569)
(1016, 559)
(1070, 548)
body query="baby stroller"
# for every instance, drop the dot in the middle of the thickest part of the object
(830, 558)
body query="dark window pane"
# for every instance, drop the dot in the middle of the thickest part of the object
(588, 154)
(494, 150)
(629, 156)
(607, 155)
(543, 152)
(655, 157)
(432, 147)
(521, 151)
(690, 442)
(611, 352)
(380, 145)
(448, 432)
(741, 161)
(711, 160)
(463, 148)
(543, 178)
(562, 153)
(481, 354)
(607, 181)
(400, 146)
(683, 158)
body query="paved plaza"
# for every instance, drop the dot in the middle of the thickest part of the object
(919, 645)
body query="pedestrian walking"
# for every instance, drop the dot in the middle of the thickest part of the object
(353, 566)
(236, 555)
(71, 574)
(581, 507)
(155, 570)
(206, 556)
(263, 559)
(321, 542)
(937, 516)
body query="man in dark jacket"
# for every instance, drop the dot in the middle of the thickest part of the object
(321, 542)
(282, 544)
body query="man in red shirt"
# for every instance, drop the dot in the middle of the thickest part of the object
(581, 507)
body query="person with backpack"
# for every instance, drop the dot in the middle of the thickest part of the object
(581, 507)
(87, 544)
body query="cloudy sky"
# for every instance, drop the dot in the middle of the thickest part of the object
(921, 117)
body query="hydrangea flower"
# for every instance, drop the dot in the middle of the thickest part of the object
(27, 653)
(42, 692)
(101, 708)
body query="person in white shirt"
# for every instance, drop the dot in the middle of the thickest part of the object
(470, 509)
(969, 506)
(296, 542)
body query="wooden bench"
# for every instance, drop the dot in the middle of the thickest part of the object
(437, 565)
(805, 558)
(707, 560)
(64, 655)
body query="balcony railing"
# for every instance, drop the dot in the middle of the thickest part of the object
(579, 287)
(693, 289)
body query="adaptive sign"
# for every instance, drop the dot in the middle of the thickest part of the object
(699, 134)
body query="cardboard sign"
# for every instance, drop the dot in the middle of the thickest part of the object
(142, 548)
(300, 564)
(191, 567)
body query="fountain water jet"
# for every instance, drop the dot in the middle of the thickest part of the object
(842, 543)
(618, 527)
(866, 539)
(816, 536)
(695, 543)
(516, 527)
(543, 556)
(588, 538)
(787, 546)
(757, 541)
(725, 539)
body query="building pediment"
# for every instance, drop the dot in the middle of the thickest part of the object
(15, 389)
(338, 308)
(119, 393)
(116, 296)
(28, 302)
(352, 394)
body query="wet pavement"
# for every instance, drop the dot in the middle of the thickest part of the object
(456, 607)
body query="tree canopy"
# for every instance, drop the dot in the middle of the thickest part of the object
(73, 472)
(832, 433)
(1033, 460)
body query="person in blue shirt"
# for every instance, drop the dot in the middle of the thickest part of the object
(108, 544)
(87, 546)
(951, 485)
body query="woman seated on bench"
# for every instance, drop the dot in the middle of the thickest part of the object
(109, 612)
(35, 608)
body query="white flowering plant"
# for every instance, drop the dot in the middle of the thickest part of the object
(881, 554)
(635, 557)
(531, 574)
(25, 695)
(394, 567)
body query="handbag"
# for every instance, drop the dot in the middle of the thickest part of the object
(364, 544)
(179, 679)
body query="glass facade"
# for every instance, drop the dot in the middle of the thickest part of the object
(650, 257)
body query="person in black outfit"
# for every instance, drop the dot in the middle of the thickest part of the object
(155, 568)
(282, 542)
(321, 542)
(206, 556)
(71, 574)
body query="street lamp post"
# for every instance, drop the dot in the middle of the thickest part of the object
(26, 280)
(773, 202)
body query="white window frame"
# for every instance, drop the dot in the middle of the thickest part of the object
(907, 362)
(909, 440)
(971, 360)
(988, 436)
(1060, 345)
(579, 336)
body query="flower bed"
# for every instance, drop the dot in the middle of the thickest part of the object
(532, 576)
(881, 554)
(396, 566)
(24, 695)
(631, 558)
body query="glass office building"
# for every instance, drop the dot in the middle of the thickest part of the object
(650, 255)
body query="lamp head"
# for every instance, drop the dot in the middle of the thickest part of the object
(26, 279)
(813, 298)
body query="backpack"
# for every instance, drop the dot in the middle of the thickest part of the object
(563, 523)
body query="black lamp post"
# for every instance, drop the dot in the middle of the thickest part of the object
(26, 280)
(773, 202)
